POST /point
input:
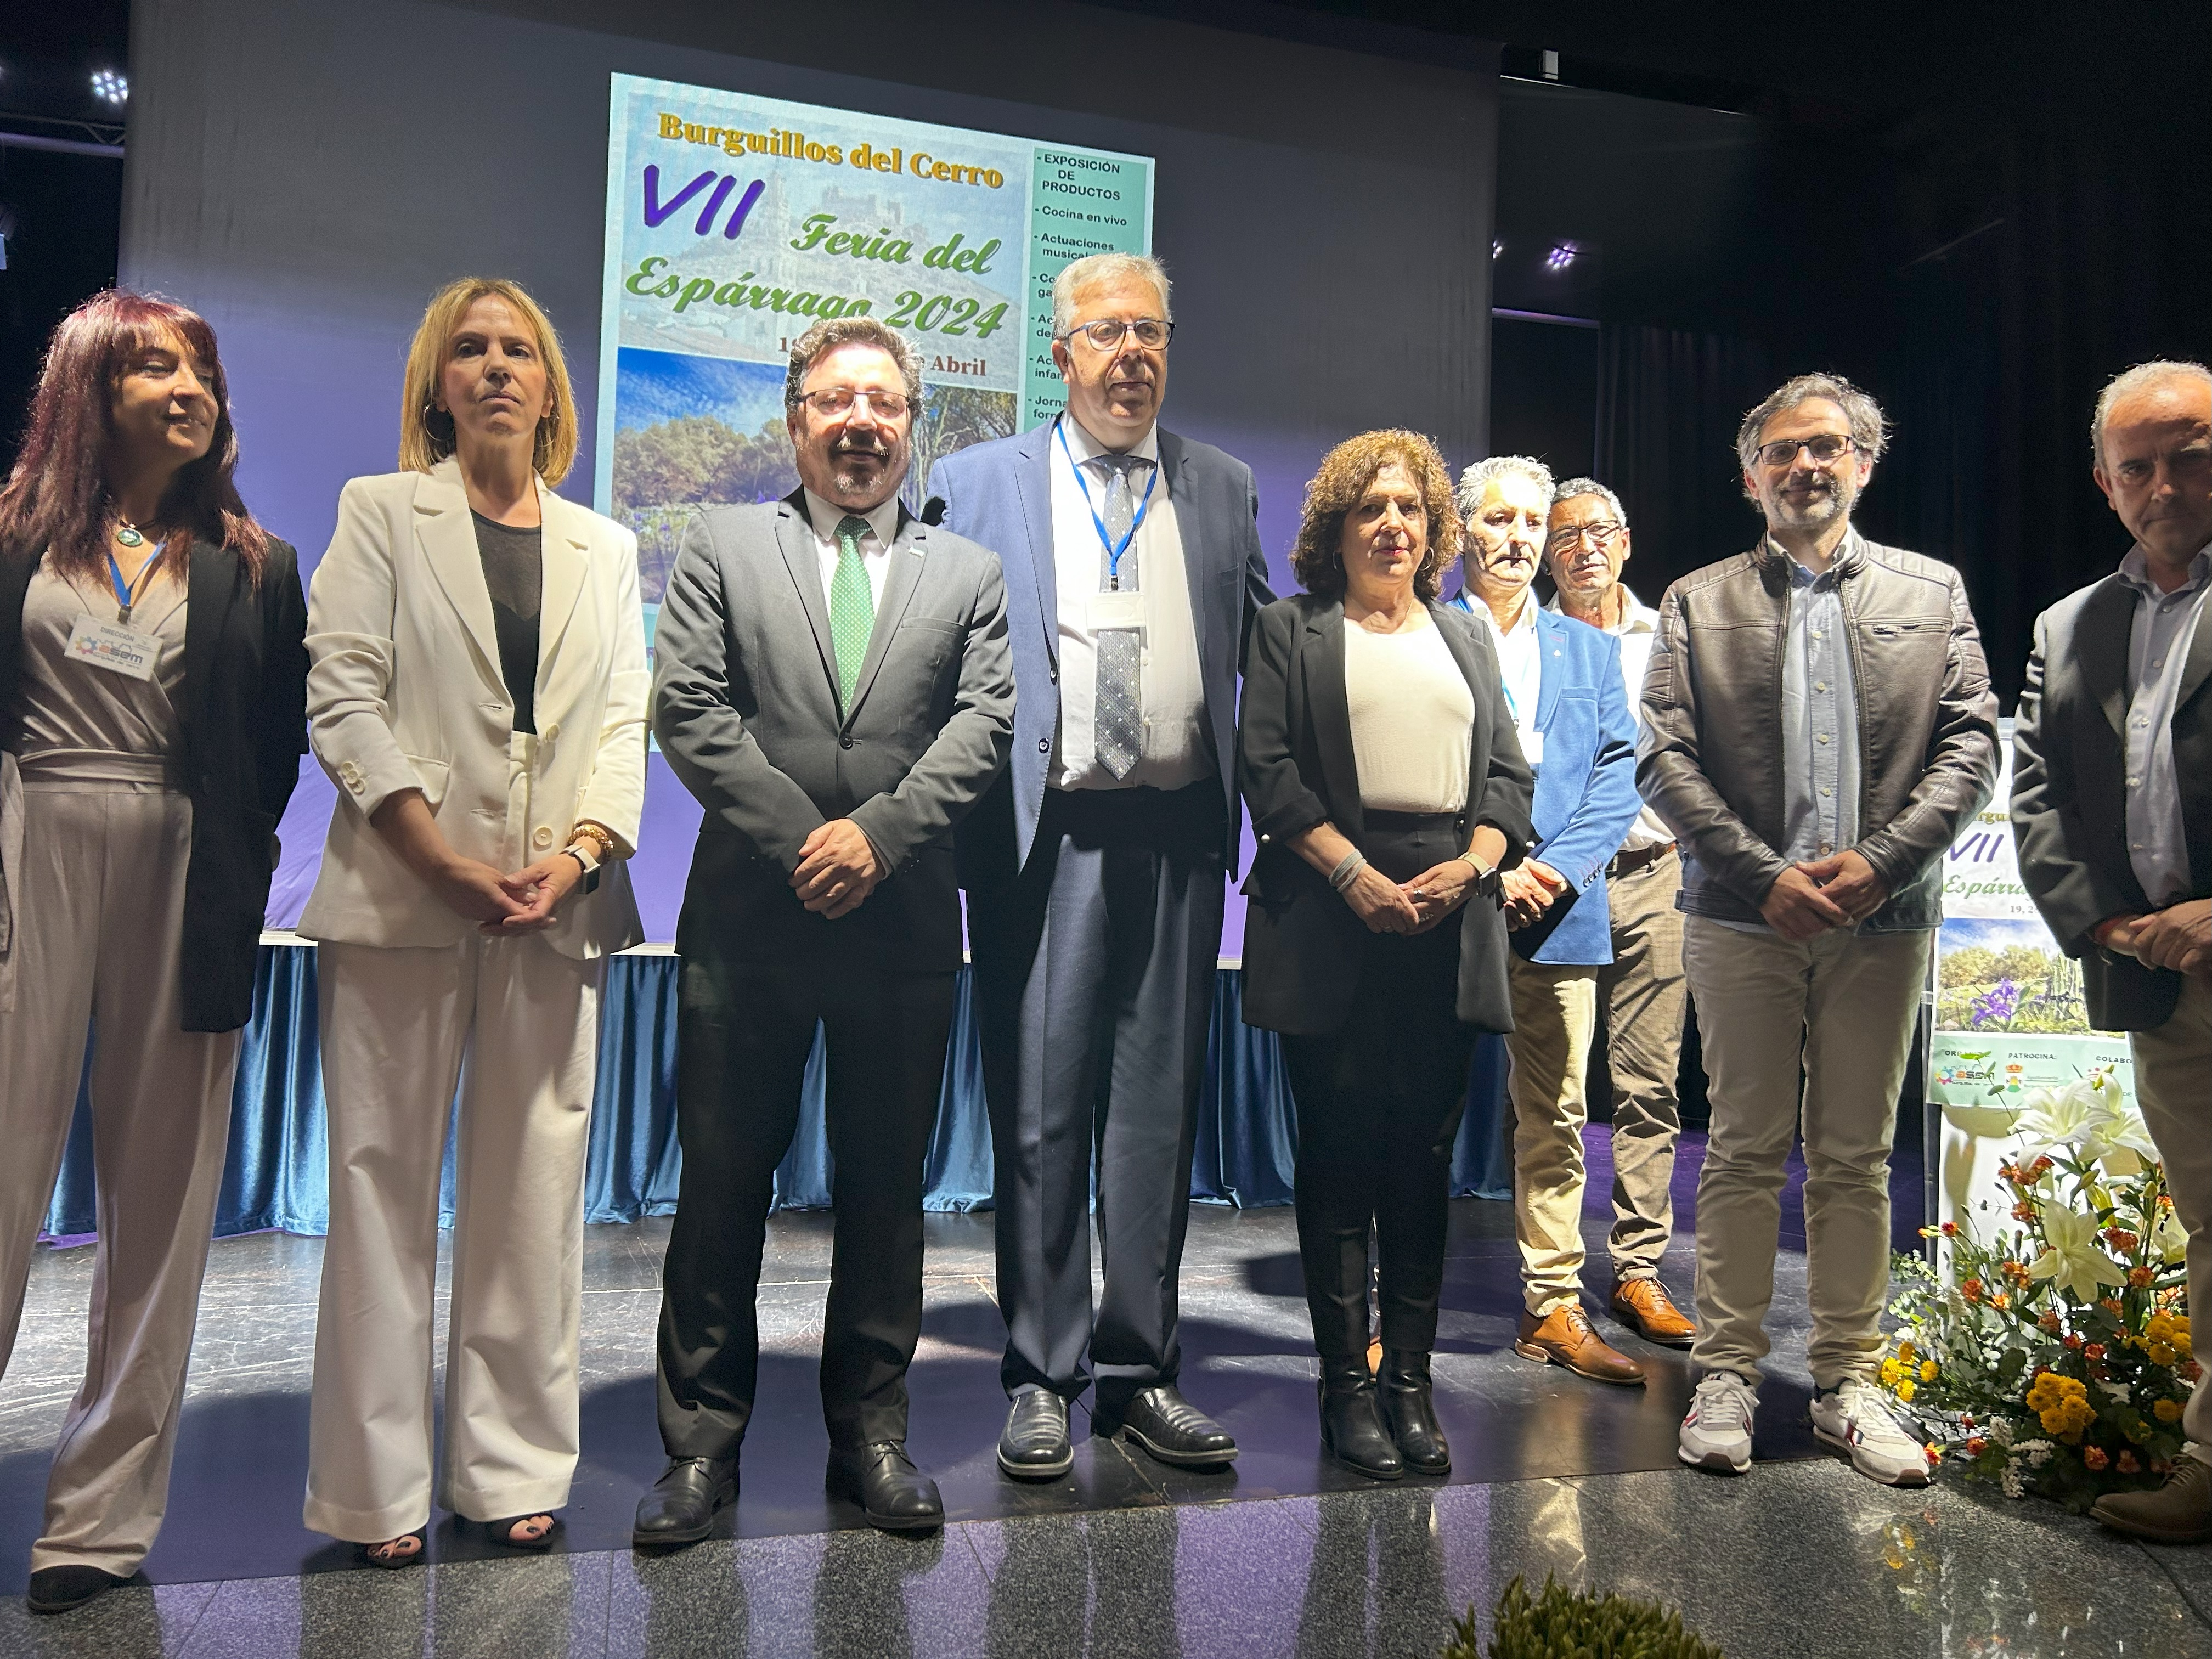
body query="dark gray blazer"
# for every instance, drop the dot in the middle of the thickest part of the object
(744, 703)
(1296, 767)
(2068, 792)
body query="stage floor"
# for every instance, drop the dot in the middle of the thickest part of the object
(1284, 1552)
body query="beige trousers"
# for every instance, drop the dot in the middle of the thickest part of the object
(2174, 1086)
(100, 917)
(1554, 1014)
(515, 1025)
(1834, 1018)
(1642, 999)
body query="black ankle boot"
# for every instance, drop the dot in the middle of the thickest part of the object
(1410, 1412)
(1351, 1427)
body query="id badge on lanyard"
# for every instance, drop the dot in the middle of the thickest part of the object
(116, 646)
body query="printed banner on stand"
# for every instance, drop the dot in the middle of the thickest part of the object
(734, 223)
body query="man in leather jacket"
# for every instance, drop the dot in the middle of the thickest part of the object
(1819, 727)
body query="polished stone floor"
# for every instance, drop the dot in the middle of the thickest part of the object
(1285, 1554)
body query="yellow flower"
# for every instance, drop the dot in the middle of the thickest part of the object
(2162, 1354)
(1904, 1350)
(2168, 1411)
(1904, 1389)
(1927, 1370)
(1890, 1373)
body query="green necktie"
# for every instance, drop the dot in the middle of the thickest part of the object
(852, 608)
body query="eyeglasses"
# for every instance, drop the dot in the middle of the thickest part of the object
(832, 401)
(1106, 333)
(1599, 535)
(1826, 450)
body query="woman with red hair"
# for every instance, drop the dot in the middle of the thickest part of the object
(153, 710)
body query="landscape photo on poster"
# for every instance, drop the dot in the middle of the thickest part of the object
(735, 222)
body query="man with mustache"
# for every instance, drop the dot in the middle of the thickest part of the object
(1818, 729)
(1641, 995)
(1570, 706)
(2112, 806)
(831, 682)
(1094, 869)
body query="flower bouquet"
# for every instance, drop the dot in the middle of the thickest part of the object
(2056, 1360)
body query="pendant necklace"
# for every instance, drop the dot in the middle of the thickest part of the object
(129, 533)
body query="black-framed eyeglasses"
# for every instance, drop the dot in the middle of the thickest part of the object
(1599, 535)
(1826, 450)
(832, 401)
(1105, 335)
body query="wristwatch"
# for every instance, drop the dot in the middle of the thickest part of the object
(584, 849)
(1488, 880)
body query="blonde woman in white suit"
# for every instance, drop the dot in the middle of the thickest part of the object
(477, 693)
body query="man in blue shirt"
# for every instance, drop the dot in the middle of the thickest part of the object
(1569, 705)
(1817, 728)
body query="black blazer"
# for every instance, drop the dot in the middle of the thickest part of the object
(245, 724)
(2068, 792)
(1296, 767)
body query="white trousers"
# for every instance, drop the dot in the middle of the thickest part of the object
(515, 1025)
(101, 896)
(1830, 1020)
(2174, 1086)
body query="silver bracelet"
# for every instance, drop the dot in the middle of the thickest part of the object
(1347, 867)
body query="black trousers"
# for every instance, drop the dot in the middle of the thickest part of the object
(1379, 1101)
(1094, 985)
(743, 1033)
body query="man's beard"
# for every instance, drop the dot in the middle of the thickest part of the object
(1820, 510)
(858, 481)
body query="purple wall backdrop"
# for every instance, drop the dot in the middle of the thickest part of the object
(305, 173)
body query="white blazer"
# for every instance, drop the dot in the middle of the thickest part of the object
(404, 691)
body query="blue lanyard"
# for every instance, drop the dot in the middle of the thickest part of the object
(1114, 551)
(125, 592)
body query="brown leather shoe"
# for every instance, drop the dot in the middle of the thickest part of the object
(1563, 1337)
(2178, 1512)
(1644, 1307)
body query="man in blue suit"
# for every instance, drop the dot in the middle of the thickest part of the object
(1095, 868)
(1570, 706)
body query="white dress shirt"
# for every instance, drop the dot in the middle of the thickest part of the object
(1520, 665)
(1178, 750)
(1638, 626)
(2158, 641)
(823, 516)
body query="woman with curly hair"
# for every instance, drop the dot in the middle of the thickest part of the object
(153, 706)
(1386, 792)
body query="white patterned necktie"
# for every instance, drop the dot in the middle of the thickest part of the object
(1118, 715)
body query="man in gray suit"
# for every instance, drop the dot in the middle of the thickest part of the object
(832, 683)
(2112, 806)
(1093, 870)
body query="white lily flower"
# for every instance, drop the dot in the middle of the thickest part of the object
(2060, 1121)
(2128, 1145)
(2073, 1258)
(2170, 1238)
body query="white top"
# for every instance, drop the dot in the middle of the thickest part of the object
(69, 713)
(1178, 749)
(1520, 667)
(823, 517)
(1413, 719)
(1637, 628)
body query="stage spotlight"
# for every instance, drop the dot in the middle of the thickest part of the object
(1560, 257)
(110, 87)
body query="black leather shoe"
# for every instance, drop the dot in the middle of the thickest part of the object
(1034, 1445)
(1409, 1413)
(883, 1480)
(57, 1590)
(1350, 1425)
(680, 1508)
(1172, 1429)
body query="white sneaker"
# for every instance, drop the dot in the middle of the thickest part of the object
(1856, 1418)
(1717, 1433)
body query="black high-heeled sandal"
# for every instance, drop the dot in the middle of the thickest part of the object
(367, 1552)
(503, 1532)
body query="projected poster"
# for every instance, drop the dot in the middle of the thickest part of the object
(734, 223)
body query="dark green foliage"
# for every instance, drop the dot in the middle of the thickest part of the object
(1565, 1623)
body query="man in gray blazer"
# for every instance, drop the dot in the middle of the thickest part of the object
(1095, 869)
(832, 683)
(2112, 806)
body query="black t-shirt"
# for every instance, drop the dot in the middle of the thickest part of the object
(514, 571)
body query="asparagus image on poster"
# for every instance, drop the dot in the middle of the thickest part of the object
(734, 223)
